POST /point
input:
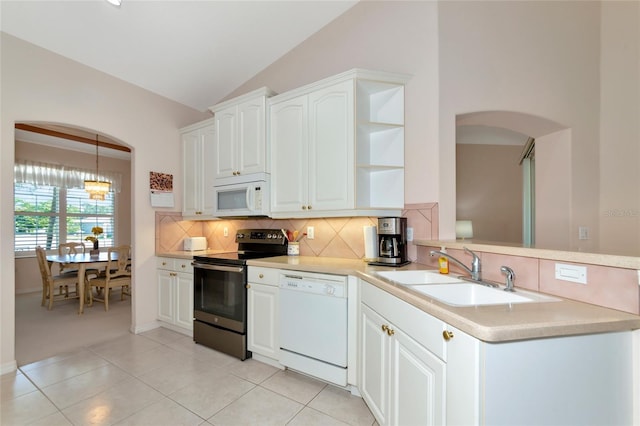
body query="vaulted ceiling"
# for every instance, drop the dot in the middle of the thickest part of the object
(193, 52)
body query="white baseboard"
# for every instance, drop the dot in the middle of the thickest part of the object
(8, 367)
(145, 327)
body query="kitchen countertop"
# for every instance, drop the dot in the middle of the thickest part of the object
(188, 254)
(490, 323)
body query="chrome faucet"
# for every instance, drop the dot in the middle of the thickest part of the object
(510, 277)
(476, 269)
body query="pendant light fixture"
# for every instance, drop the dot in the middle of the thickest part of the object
(97, 189)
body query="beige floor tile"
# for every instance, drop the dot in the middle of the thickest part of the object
(164, 412)
(310, 417)
(123, 346)
(200, 352)
(55, 419)
(210, 395)
(295, 386)
(173, 376)
(163, 335)
(252, 370)
(340, 404)
(13, 385)
(138, 363)
(25, 409)
(114, 404)
(75, 389)
(260, 406)
(68, 367)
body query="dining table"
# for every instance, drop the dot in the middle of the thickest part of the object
(83, 261)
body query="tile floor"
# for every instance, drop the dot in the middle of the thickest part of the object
(162, 378)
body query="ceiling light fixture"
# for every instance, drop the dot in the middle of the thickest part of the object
(115, 2)
(97, 189)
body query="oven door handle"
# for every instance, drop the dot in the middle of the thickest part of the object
(217, 267)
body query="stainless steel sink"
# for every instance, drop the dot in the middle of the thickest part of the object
(468, 294)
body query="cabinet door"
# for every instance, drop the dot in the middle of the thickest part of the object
(374, 364)
(417, 383)
(165, 296)
(207, 138)
(251, 137)
(331, 148)
(262, 324)
(191, 172)
(289, 155)
(197, 190)
(225, 143)
(184, 300)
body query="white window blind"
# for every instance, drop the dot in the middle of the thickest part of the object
(51, 207)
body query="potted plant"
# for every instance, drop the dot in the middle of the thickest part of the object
(96, 231)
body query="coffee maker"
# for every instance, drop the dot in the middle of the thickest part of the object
(392, 241)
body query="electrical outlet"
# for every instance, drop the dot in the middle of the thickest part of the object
(226, 231)
(573, 273)
(583, 233)
(311, 233)
(409, 234)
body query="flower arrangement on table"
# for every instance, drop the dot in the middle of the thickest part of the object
(96, 231)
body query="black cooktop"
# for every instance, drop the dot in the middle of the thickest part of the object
(252, 244)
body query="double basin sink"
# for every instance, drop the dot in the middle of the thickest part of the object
(455, 291)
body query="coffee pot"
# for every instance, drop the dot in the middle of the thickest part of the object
(392, 241)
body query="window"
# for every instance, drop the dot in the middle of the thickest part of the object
(48, 215)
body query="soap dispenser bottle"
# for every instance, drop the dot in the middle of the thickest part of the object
(443, 262)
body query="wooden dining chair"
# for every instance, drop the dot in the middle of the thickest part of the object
(49, 281)
(116, 274)
(73, 248)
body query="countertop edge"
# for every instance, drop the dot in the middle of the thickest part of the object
(487, 323)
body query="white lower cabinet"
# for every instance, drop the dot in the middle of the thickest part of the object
(401, 380)
(418, 370)
(262, 314)
(175, 294)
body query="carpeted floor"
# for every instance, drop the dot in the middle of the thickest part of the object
(41, 333)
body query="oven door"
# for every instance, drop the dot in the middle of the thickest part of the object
(220, 295)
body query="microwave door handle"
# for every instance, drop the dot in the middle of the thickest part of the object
(249, 197)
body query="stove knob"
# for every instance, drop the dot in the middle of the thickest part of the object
(239, 236)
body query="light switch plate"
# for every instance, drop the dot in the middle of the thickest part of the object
(573, 273)
(409, 234)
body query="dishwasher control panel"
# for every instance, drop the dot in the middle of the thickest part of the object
(320, 285)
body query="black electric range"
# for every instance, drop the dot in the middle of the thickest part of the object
(220, 290)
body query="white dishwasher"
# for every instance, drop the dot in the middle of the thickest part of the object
(313, 325)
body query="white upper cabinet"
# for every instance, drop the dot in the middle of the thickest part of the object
(337, 147)
(240, 145)
(197, 177)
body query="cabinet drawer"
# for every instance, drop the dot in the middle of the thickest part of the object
(183, 265)
(164, 263)
(424, 328)
(173, 264)
(259, 275)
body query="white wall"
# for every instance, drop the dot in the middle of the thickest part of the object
(38, 85)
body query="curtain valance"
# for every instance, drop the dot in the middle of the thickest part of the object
(35, 173)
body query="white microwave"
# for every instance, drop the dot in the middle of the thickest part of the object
(243, 199)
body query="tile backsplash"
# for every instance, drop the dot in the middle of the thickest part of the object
(334, 237)
(611, 287)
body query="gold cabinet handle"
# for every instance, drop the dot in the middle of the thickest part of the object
(387, 330)
(261, 276)
(447, 335)
(304, 207)
(164, 263)
(309, 207)
(248, 286)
